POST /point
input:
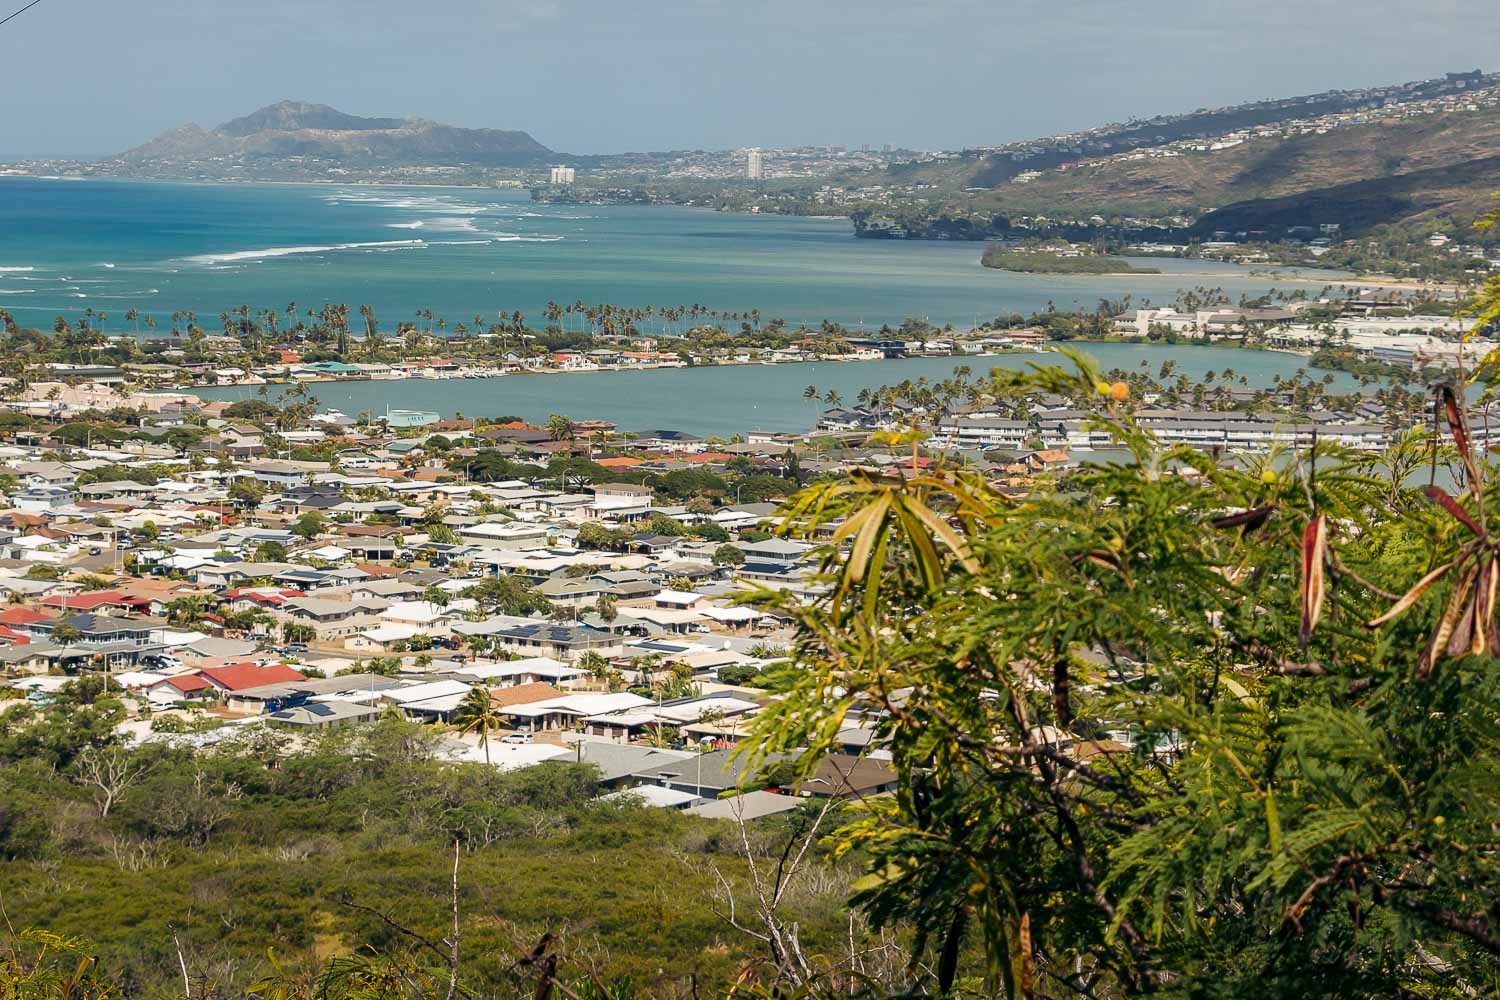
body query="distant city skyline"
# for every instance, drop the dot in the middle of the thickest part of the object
(587, 77)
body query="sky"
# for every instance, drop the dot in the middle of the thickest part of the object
(92, 77)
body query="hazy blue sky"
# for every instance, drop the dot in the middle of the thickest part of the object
(96, 76)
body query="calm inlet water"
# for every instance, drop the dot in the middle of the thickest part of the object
(729, 400)
(70, 245)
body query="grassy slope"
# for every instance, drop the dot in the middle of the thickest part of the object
(630, 895)
(1440, 199)
(1195, 183)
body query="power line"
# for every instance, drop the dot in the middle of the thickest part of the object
(20, 12)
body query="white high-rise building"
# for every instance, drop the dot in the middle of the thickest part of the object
(563, 175)
(755, 164)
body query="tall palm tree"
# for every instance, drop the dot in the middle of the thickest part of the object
(477, 713)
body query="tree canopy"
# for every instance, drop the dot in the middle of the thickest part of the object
(1170, 727)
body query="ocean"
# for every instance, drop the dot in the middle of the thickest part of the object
(67, 246)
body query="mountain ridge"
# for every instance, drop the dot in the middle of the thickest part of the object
(291, 116)
(319, 132)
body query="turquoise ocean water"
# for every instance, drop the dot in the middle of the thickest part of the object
(157, 247)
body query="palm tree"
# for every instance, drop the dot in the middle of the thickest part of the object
(477, 713)
(560, 428)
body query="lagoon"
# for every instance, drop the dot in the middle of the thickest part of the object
(726, 400)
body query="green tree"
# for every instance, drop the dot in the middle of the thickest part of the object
(296, 632)
(1181, 738)
(560, 428)
(508, 595)
(308, 526)
(270, 552)
(729, 555)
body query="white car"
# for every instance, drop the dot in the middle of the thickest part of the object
(517, 738)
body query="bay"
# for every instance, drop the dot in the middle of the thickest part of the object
(66, 246)
(727, 400)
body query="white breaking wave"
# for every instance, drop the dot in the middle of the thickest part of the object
(440, 204)
(106, 264)
(18, 291)
(268, 252)
(12, 270)
(407, 225)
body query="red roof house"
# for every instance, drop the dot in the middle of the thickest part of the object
(239, 676)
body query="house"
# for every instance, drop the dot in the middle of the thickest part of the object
(41, 498)
(411, 418)
(530, 670)
(623, 726)
(113, 641)
(747, 806)
(616, 762)
(840, 774)
(706, 775)
(330, 619)
(523, 694)
(32, 658)
(433, 619)
(21, 619)
(664, 440)
(181, 687)
(566, 711)
(243, 676)
(382, 638)
(98, 600)
(323, 715)
(576, 592)
(654, 796)
(620, 501)
(563, 642)
(435, 701)
(511, 536)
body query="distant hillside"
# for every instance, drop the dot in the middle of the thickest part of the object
(293, 134)
(1193, 183)
(293, 116)
(1429, 170)
(1442, 199)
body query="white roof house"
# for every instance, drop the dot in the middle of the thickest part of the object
(542, 668)
(678, 598)
(654, 796)
(425, 612)
(426, 692)
(510, 756)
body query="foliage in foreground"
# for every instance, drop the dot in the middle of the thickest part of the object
(264, 869)
(1155, 729)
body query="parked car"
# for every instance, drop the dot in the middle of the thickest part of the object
(517, 738)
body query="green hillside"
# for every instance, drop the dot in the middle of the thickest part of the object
(1433, 169)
